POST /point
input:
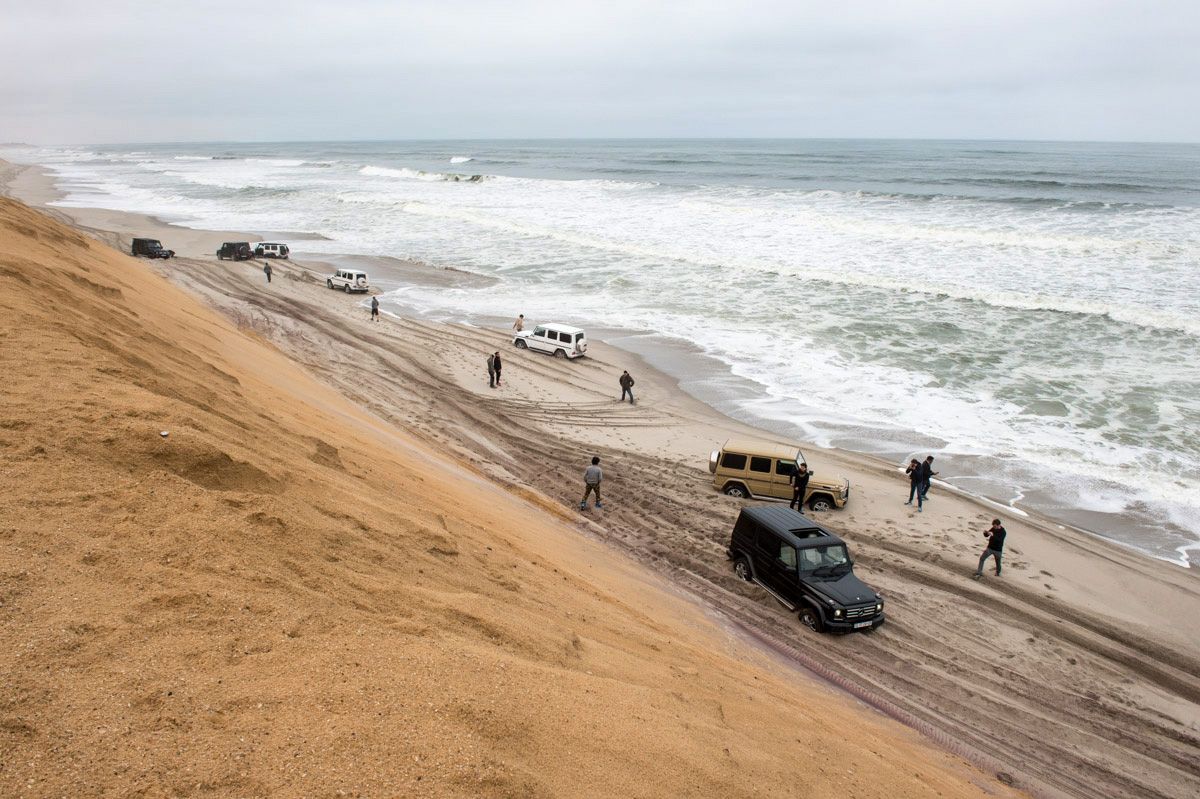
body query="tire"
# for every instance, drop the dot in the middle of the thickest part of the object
(560, 353)
(741, 567)
(821, 503)
(521, 345)
(329, 283)
(810, 617)
(736, 490)
(347, 288)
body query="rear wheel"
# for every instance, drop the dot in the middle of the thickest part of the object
(347, 288)
(560, 353)
(741, 567)
(810, 617)
(821, 503)
(521, 345)
(737, 490)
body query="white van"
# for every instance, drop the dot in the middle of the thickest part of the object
(348, 280)
(563, 341)
(270, 249)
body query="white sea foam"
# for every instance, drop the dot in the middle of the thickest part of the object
(461, 159)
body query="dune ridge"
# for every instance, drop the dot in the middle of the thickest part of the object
(287, 595)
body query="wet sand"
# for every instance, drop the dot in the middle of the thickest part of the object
(1077, 673)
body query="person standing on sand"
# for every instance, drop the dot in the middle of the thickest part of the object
(519, 325)
(799, 481)
(496, 362)
(491, 362)
(592, 476)
(374, 309)
(267, 270)
(927, 474)
(995, 536)
(626, 386)
(916, 475)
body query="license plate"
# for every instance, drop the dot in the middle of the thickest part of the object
(859, 625)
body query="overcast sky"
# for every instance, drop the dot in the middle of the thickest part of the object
(115, 71)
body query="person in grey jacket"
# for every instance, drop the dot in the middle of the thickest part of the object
(592, 476)
(491, 364)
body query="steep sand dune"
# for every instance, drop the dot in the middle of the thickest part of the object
(286, 595)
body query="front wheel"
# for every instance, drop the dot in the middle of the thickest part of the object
(736, 490)
(741, 567)
(810, 617)
(821, 504)
(560, 354)
(329, 283)
(521, 345)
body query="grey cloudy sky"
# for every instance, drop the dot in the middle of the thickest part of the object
(93, 71)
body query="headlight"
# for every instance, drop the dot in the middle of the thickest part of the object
(879, 606)
(837, 613)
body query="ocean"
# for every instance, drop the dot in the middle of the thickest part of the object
(1027, 312)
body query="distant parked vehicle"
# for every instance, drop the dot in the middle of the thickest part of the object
(804, 566)
(562, 341)
(235, 251)
(348, 280)
(749, 469)
(151, 248)
(270, 249)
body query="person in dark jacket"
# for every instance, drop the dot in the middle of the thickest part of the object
(498, 365)
(626, 382)
(491, 364)
(995, 536)
(927, 474)
(916, 476)
(799, 481)
(374, 309)
(267, 270)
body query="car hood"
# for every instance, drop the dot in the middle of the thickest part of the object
(847, 589)
(835, 485)
(524, 334)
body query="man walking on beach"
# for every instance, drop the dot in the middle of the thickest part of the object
(374, 309)
(995, 536)
(519, 325)
(496, 363)
(626, 386)
(916, 476)
(591, 483)
(267, 270)
(927, 474)
(491, 363)
(799, 481)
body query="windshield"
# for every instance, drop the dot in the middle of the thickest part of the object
(826, 559)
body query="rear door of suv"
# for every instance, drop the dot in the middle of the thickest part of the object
(775, 564)
(759, 476)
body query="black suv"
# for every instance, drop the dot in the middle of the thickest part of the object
(150, 248)
(236, 251)
(804, 566)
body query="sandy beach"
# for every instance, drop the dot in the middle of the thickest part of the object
(1077, 673)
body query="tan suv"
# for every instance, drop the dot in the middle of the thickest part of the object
(761, 470)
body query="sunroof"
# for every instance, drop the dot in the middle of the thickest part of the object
(807, 532)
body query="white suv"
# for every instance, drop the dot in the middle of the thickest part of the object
(269, 249)
(348, 280)
(562, 341)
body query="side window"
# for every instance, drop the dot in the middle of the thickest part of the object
(783, 554)
(760, 465)
(731, 460)
(786, 468)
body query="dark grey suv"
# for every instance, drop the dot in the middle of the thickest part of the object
(804, 566)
